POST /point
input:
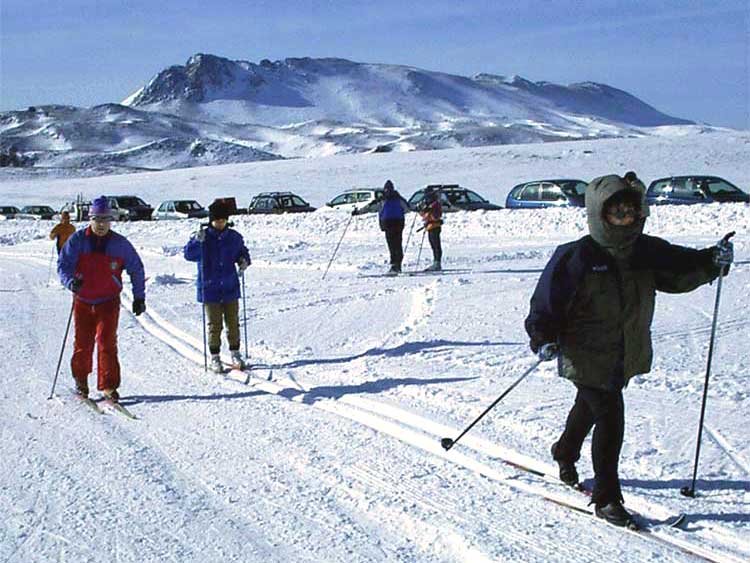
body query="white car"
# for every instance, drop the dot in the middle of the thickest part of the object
(363, 200)
(179, 209)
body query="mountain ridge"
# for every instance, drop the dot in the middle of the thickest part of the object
(303, 107)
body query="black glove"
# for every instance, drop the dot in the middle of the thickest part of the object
(75, 285)
(139, 306)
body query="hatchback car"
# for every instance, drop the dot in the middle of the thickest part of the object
(278, 202)
(179, 209)
(363, 200)
(8, 212)
(686, 190)
(36, 212)
(547, 193)
(453, 198)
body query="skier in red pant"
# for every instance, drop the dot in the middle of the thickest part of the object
(91, 265)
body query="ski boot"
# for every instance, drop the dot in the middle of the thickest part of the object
(394, 271)
(568, 472)
(434, 267)
(82, 387)
(111, 395)
(614, 513)
(237, 361)
(215, 364)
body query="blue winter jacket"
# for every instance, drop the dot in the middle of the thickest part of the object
(218, 281)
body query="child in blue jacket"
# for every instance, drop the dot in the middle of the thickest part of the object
(220, 252)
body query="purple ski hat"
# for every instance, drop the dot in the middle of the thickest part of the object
(100, 208)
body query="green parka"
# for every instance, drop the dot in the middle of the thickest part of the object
(596, 295)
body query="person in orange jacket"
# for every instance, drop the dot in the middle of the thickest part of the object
(62, 231)
(432, 215)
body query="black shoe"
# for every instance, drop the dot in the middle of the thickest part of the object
(615, 514)
(568, 472)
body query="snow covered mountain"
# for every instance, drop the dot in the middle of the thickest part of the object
(239, 111)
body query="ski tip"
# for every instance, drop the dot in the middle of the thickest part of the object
(678, 521)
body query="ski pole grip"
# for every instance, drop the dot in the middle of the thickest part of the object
(728, 236)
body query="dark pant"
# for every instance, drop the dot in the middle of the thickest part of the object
(437, 249)
(230, 313)
(605, 412)
(96, 325)
(394, 231)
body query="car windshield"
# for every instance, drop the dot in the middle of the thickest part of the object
(130, 201)
(298, 201)
(714, 186)
(7, 210)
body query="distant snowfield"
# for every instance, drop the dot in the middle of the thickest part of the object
(329, 449)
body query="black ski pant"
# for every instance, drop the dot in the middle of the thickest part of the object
(394, 235)
(437, 249)
(603, 411)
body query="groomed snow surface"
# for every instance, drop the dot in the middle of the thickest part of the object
(328, 449)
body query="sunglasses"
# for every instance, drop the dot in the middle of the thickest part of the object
(622, 213)
(101, 218)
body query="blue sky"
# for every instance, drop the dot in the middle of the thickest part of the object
(687, 58)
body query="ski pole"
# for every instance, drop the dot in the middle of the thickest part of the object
(339, 244)
(421, 244)
(244, 312)
(448, 443)
(411, 229)
(203, 300)
(690, 491)
(62, 348)
(49, 269)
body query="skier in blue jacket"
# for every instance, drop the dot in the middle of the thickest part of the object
(218, 249)
(391, 213)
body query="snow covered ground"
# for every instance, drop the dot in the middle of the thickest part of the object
(329, 450)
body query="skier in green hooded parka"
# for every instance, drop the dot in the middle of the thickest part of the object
(592, 310)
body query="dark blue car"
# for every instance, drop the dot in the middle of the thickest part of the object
(547, 193)
(686, 190)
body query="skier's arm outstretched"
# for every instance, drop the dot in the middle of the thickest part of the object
(681, 269)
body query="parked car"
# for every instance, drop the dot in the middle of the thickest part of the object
(278, 202)
(79, 210)
(129, 208)
(179, 209)
(453, 198)
(36, 212)
(687, 190)
(547, 193)
(8, 212)
(363, 200)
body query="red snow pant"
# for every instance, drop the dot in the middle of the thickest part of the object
(96, 324)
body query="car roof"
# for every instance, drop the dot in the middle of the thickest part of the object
(686, 176)
(274, 194)
(363, 190)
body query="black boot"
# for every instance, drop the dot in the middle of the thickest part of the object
(568, 472)
(615, 514)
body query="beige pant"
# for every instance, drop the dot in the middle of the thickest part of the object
(231, 315)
